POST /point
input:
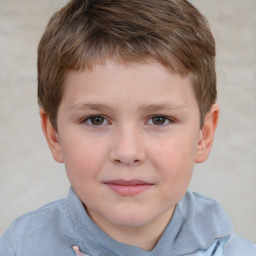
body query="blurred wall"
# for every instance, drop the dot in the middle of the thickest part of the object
(29, 177)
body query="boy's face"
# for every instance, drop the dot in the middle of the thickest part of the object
(129, 136)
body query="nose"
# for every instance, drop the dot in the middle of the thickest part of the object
(127, 147)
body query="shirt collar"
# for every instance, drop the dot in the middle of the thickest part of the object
(196, 223)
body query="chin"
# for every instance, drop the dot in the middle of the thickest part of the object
(130, 220)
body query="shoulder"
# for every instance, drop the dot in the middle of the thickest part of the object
(207, 218)
(207, 212)
(238, 246)
(44, 215)
(42, 224)
(202, 202)
(199, 201)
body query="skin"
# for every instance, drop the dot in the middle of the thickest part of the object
(77, 251)
(130, 122)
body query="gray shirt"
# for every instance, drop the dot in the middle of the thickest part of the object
(199, 227)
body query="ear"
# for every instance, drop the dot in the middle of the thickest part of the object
(51, 136)
(207, 134)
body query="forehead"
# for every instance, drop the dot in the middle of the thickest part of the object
(112, 64)
(148, 77)
(144, 85)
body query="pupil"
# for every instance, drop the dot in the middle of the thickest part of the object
(97, 120)
(159, 120)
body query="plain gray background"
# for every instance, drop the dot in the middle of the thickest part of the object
(29, 177)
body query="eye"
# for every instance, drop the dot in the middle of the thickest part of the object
(159, 120)
(95, 120)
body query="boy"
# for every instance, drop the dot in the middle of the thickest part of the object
(127, 92)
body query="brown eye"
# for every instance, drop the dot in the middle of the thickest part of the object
(96, 120)
(159, 120)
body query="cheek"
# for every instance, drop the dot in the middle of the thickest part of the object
(83, 158)
(176, 151)
(174, 159)
(176, 175)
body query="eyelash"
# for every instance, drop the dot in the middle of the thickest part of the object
(104, 121)
(164, 120)
(88, 120)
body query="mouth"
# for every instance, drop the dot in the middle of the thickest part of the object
(128, 187)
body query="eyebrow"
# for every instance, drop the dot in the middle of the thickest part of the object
(146, 108)
(159, 107)
(92, 106)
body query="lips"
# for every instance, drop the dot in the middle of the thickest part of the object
(128, 187)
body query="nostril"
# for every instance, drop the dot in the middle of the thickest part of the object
(127, 153)
(128, 162)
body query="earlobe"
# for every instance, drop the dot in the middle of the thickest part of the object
(51, 136)
(207, 134)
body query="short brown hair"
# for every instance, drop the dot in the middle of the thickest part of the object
(87, 32)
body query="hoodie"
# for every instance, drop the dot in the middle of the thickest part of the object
(199, 227)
